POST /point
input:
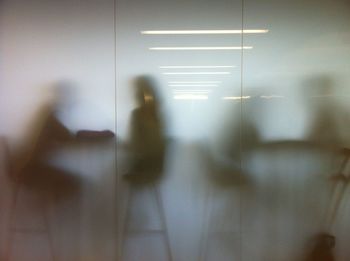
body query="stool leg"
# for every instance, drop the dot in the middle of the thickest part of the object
(206, 228)
(12, 221)
(126, 219)
(337, 193)
(12, 229)
(163, 220)
(48, 229)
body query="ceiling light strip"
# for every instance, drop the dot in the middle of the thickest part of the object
(246, 31)
(200, 48)
(192, 82)
(192, 91)
(193, 85)
(196, 66)
(235, 97)
(194, 73)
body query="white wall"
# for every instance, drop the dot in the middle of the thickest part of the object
(45, 42)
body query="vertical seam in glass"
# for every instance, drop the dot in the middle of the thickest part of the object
(118, 245)
(241, 135)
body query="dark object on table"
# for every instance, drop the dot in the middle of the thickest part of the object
(95, 135)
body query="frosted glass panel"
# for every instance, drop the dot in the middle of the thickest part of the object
(295, 124)
(174, 130)
(57, 78)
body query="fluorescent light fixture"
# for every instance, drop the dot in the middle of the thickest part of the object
(194, 82)
(191, 73)
(245, 31)
(190, 97)
(200, 48)
(196, 66)
(235, 97)
(191, 91)
(193, 85)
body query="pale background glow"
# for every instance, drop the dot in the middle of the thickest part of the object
(285, 78)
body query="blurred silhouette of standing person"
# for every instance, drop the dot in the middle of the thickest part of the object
(147, 142)
(328, 114)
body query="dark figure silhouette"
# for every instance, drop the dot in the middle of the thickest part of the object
(48, 136)
(328, 128)
(325, 124)
(322, 250)
(147, 142)
(147, 147)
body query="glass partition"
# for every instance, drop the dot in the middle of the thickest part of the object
(174, 130)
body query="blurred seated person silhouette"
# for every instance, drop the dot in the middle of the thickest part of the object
(48, 135)
(322, 249)
(44, 136)
(147, 144)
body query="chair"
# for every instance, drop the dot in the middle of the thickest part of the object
(341, 178)
(134, 181)
(11, 189)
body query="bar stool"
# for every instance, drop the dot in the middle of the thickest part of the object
(341, 179)
(326, 241)
(149, 181)
(15, 228)
(14, 180)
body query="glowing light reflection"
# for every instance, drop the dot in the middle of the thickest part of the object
(245, 31)
(199, 48)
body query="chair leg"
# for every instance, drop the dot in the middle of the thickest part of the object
(125, 220)
(163, 221)
(206, 228)
(160, 207)
(12, 221)
(48, 229)
(12, 228)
